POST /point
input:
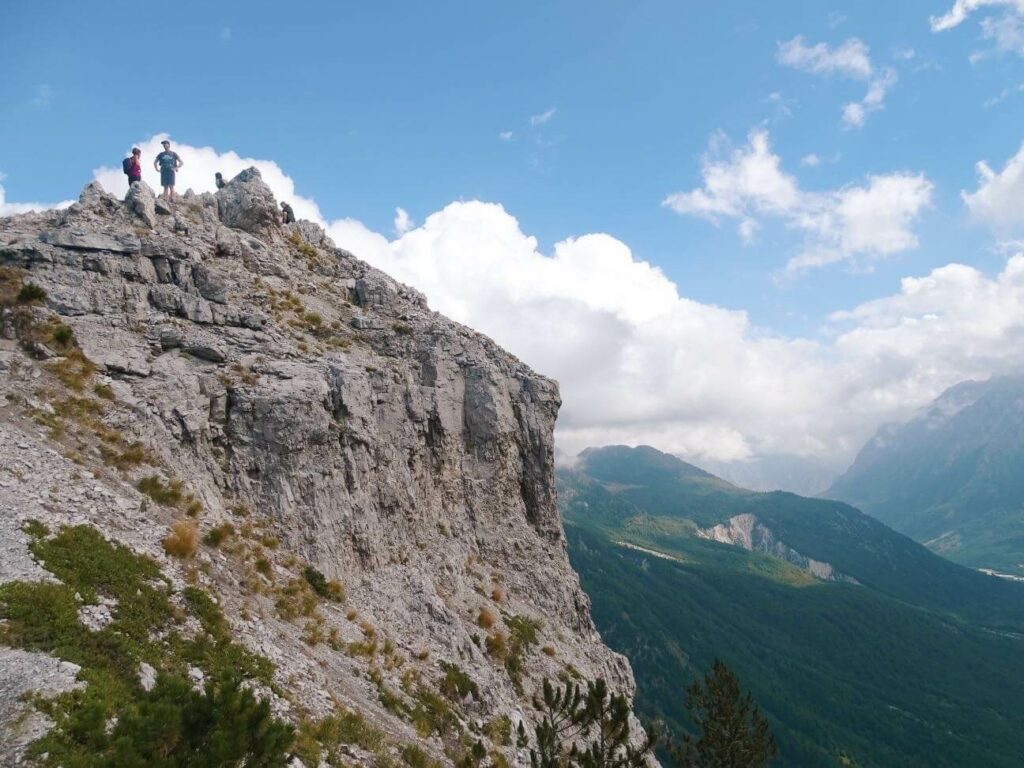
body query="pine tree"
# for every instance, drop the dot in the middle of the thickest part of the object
(609, 718)
(585, 730)
(731, 731)
(562, 718)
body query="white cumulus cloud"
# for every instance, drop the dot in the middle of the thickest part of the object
(402, 221)
(12, 209)
(638, 362)
(849, 224)
(997, 200)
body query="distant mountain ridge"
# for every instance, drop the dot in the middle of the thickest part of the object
(952, 477)
(805, 475)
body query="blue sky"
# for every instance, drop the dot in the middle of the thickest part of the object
(607, 108)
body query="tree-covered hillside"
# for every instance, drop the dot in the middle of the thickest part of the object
(919, 662)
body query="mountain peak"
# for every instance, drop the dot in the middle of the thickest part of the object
(351, 478)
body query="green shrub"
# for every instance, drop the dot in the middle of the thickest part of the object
(130, 456)
(415, 757)
(63, 335)
(224, 725)
(329, 590)
(31, 294)
(432, 714)
(456, 684)
(497, 646)
(171, 725)
(345, 727)
(165, 494)
(104, 391)
(499, 730)
(218, 535)
(523, 631)
(296, 599)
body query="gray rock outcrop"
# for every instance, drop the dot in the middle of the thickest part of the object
(299, 393)
(142, 202)
(246, 202)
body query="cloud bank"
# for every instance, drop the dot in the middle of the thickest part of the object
(12, 209)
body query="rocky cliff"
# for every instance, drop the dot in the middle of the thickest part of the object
(363, 487)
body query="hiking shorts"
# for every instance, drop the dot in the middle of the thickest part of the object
(167, 177)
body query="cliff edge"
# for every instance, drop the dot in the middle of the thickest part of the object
(364, 488)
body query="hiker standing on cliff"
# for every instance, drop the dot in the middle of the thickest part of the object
(132, 166)
(168, 163)
(287, 214)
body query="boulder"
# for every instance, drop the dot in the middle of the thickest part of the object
(141, 202)
(94, 197)
(163, 207)
(246, 202)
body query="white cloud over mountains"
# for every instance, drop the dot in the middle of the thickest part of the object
(638, 362)
(12, 209)
(851, 59)
(853, 224)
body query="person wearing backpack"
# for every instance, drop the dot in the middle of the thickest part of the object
(132, 166)
(168, 163)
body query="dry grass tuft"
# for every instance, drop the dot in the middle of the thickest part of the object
(182, 540)
(486, 619)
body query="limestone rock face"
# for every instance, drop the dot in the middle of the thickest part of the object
(301, 394)
(246, 202)
(142, 202)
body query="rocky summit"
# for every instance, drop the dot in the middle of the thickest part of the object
(231, 450)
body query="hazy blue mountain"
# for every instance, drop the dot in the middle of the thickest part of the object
(806, 475)
(859, 643)
(953, 476)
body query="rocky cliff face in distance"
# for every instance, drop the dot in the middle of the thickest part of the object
(299, 475)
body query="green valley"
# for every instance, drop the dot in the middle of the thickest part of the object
(890, 655)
